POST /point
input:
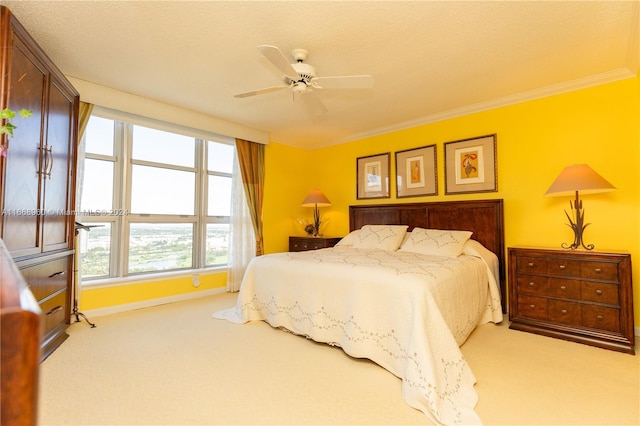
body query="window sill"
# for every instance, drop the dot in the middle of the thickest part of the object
(160, 276)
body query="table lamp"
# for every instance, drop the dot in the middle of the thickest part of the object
(575, 179)
(316, 199)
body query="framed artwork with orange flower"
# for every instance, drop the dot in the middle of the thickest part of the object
(470, 165)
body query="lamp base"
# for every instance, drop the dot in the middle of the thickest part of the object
(576, 222)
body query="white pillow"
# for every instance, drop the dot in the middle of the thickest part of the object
(347, 240)
(436, 242)
(383, 237)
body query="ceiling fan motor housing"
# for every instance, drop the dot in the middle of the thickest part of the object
(305, 71)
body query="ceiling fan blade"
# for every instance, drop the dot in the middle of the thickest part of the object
(312, 103)
(343, 82)
(260, 91)
(275, 56)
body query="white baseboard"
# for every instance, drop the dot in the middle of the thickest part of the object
(93, 313)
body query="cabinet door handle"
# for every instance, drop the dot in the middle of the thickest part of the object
(55, 274)
(49, 169)
(39, 166)
(54, 310)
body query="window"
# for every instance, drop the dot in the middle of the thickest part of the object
(156, 200)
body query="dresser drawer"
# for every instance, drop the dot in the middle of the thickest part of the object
(600, 292)
(532, 284)
(599, 270)
(600, 317)
(532, 307)
(54, 311)
(47, 278)
(565, 289)
(311, 243)
(531, 265)
(308, 245)
(563, 267)
(564, 312)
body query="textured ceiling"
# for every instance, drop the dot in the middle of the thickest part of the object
(430, 59)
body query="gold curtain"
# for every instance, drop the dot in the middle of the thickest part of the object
(251, 160)
(83, 118)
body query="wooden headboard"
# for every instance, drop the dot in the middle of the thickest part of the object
(483, 217)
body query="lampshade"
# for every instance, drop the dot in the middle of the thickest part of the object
(316, 198)
(578, 177)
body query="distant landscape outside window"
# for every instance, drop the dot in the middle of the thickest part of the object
(160, 247)
(95, 250)
(217, 244)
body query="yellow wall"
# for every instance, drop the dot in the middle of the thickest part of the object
(100, 297)
(599, 126)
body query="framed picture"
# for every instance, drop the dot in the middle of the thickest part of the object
(470, 165)
(416, 172)
(373, 176)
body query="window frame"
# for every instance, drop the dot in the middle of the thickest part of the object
(122, 193)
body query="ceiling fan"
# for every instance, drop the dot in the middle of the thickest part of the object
(302, 78)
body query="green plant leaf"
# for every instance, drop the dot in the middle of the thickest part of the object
(24, 113)
(7, 113)
(7, 129)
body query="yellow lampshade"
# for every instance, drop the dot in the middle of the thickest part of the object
(316, 198)
(578, 177)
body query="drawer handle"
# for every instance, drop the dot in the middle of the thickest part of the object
(564, 311)
(599, 317)
(563, 287)
(54, 310)
(598, 292)
(532, 306)
(562, 267)
(532, 284)
(598, 270)
(57, 274)
(531, 265)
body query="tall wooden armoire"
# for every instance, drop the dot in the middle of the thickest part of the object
(37, 176)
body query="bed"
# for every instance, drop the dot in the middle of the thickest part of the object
(404, 289)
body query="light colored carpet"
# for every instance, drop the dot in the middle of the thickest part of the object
(176, 365)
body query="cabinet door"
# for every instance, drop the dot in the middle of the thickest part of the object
(21, 185)
(59, 154)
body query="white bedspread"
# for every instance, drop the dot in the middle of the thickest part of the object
(407, 312)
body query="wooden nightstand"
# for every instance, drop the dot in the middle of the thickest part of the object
(311, 243)
(581, 296)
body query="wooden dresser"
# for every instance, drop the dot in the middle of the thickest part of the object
(580, 296)
(311, 243)
(37, 195)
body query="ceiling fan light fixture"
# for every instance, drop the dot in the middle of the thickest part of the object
(300, 88)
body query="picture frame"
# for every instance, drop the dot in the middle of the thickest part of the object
(470, 165)
(416, 172)
(373, 176)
